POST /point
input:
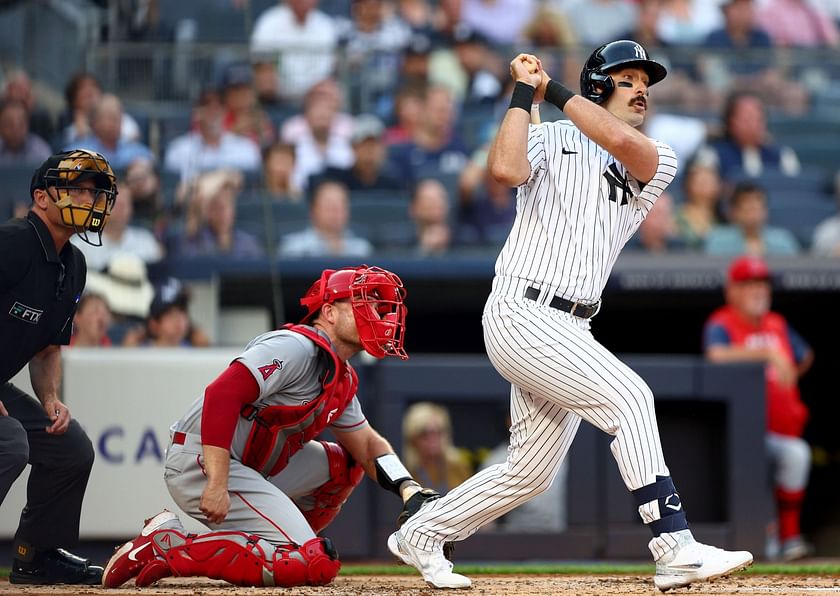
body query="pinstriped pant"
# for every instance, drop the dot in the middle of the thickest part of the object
(559, 375)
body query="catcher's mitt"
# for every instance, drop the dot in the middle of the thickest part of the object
(413, 505)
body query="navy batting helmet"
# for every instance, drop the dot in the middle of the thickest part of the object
(595, 82)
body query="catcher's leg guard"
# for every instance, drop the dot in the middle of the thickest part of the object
(246, 560)
(345, 475)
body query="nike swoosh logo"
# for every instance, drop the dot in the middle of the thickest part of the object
(132, 556)
(567, 152)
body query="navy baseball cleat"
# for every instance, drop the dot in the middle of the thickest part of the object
(55, 566)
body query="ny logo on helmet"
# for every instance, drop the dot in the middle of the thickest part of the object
(640, 52)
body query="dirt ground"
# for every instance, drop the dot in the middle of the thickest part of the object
(483, 585)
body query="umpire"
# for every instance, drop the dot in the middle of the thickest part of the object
(42, 276)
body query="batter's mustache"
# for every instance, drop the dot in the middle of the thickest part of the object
(639, 98)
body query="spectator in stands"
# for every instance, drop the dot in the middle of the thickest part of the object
(91, 322)
(209, 146)
(302, 38)
(105, 135)
(17, 144)
(428, 452)
(471, 70)
(429, 212)
(419, 15)
(798, 23)
(826, 241)
(435, 147)
(749, 232)
(327, 234)
(142, 182)
(373, 29)
(243, 114)
(700, 210)
(549, 29)
(658, 234)
(599, 21)
(500, 22)
(746, 330)
(686, 22)
(168, 324)
(126, 288)
(408, 108)
(369, 170)
(486, 208)
(278, 173)
(544, 513)
(119, 236)
(82, 93)
(745, 148)
(757, 71)
(321, 135)
(266, 82)
(18, 86)
(210, 226)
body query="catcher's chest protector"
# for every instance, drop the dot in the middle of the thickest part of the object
(278, 432)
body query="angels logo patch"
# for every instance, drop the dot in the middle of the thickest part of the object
(269, 369)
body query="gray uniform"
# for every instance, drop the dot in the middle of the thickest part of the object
(288, 368)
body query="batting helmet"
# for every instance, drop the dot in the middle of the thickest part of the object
(377, 297)
(64, 171)
(595, 82)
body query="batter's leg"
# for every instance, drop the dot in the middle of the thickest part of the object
(541, 434)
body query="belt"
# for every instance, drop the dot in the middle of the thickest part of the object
(577, 309)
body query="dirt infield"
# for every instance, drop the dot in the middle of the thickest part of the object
(483, 585)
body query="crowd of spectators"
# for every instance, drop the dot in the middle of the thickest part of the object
(395, 102)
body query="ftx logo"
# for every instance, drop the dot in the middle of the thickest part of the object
(26, 313)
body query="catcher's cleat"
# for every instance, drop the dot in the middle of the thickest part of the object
(130, 558)
(432, 565)
(696, 562)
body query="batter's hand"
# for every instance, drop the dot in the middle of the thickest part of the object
(215, 503)
(3, 411)
(526, 68)
(539, 94)
(59, 415)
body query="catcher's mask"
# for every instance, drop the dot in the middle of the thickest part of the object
(376, 296)
(64, 172)
(595, 82)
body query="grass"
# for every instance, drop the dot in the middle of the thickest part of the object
(823, 569)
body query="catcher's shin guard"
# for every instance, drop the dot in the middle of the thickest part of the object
(345, 475)
(246, 560)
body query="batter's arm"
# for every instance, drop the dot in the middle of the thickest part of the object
(507, 160)
(634, 150)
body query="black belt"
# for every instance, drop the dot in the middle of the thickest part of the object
(584, 311)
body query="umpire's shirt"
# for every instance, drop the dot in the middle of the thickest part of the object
(39, 290)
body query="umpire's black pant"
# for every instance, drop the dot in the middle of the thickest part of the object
(60, 469)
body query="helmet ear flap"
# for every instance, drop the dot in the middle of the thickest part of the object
(600, 87)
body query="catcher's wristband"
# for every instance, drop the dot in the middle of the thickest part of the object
(558, 94)
(391, 473)
(523, 96)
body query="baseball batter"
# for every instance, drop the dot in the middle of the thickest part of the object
(245, 461)
(584, 186)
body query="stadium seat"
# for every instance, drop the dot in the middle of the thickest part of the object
(800, 213)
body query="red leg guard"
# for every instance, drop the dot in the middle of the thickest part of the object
(240, 559)
(345, 475)
(789, 504)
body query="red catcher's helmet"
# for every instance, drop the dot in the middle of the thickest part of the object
(377, 298)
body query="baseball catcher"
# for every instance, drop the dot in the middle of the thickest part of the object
(246, 459)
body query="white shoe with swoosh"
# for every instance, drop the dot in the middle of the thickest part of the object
(432, 565)
(695, 562)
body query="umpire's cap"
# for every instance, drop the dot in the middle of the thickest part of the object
(595, 82)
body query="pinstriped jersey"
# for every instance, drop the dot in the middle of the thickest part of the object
(576, 211)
